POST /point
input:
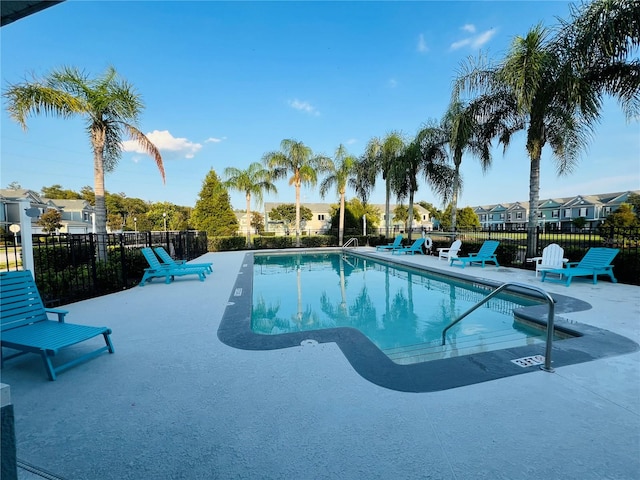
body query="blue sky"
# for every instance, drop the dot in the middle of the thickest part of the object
(225, 82)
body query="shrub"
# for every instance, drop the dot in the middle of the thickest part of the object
(262, 242)
(222, 244)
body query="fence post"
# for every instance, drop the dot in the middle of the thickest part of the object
(26, 237)
(123, 259)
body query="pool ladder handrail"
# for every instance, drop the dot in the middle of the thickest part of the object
(352, 241)
(547, 355)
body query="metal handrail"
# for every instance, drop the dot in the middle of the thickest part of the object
(547, 354)
(352, 240)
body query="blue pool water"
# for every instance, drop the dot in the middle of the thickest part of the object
(401, 310)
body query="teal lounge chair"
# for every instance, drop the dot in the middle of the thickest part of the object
(157, 269)
(27, 328)
(167, 260)
(415, 248)
(597, 261)
(397, 243)
(485, 254)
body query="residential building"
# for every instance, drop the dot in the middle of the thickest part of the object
(553, 213)
(77, 215)
(320, 222)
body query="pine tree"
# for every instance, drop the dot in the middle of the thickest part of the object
(213, 212)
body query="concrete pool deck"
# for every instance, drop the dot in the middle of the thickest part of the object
(174, 402)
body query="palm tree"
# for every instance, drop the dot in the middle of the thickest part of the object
(297, 159)
(381, 155)
(600, 42)
(253, 181)
(532, 89)
(339, 172)
(110, 107)
(464, 132)
(426, 154)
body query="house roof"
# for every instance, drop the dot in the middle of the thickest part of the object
(10, 10)
(70, 204)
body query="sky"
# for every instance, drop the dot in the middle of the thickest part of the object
(223, 83)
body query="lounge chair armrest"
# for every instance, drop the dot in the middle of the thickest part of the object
(56, 311)
(473, 254)
(571, 264)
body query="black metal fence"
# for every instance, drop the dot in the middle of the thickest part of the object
(67, 268)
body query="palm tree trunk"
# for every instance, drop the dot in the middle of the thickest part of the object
(534, 196)
(454, 194)
(297, 214)
(387, 212)
(410, 214)
(341, 225)
(97, 140)
(248, 220)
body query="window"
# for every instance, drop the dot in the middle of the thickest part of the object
(607, 210)
(502, 216)
(567, 213)
(508, 216)
(519, 215)
(321, 217)
(583, 211)
(555, 214)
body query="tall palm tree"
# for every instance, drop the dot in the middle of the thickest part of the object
(534, 90)
(465, 132)
(340, 170)
(381, 155)
(252, 181)
(297, 159)
(425, 154)
(110, 107)
(364, 177)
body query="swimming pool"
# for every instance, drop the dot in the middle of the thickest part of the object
(396, 366)
(402, 311)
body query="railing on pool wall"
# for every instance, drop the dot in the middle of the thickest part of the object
(548, 344)
(352, 241)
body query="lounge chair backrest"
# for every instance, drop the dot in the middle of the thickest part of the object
(455, 248)
(20, 300)
(488, 248)
(598, 257)
(151, 258)
(164, 256)
(552, 256)
(417, 244)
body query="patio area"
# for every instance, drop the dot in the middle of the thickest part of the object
(174, 402)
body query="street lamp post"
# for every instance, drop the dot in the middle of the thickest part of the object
(135, 224)
(164, 216)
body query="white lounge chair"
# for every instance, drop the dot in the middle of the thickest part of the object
(450, 252)
(552, 258)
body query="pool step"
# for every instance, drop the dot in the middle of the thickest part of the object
(468, 345)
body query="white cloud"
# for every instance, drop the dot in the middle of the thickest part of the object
(393, 83)
(351, 141)
(483, 38)
(214, 140)
(460, 44)
(422, 45)
(475, 41)
(304, 107)
(166, 143)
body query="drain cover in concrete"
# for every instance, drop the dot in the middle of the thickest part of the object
(529, 361)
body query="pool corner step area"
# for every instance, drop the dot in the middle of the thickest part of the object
(472, 344)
